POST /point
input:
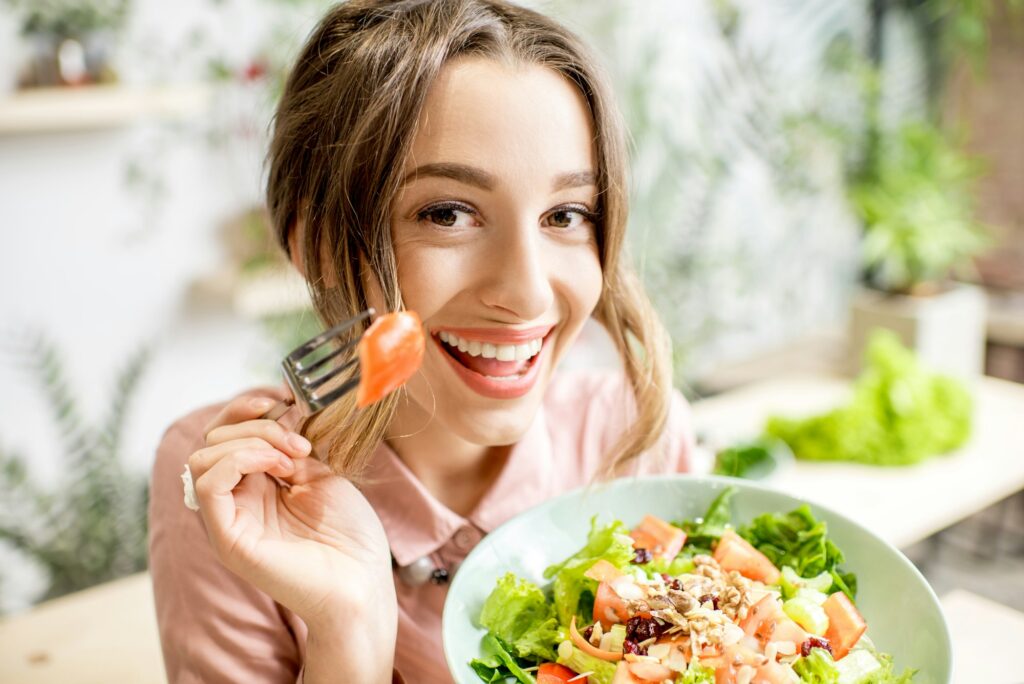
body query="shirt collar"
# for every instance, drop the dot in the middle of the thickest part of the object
(417, 524)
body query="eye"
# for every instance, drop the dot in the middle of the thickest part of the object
(448, 215)
(570, 217)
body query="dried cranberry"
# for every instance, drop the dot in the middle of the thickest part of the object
(815, 642)
(640, 629)
(672, 582)
(588, 632)
(710, 597)
(641, 556)
(630, 646)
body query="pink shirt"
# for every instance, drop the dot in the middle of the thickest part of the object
(215, 627)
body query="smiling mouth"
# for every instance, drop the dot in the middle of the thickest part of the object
(499, 362)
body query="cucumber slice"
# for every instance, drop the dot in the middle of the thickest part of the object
(812, 595)
(808, 614)
(792, 583)
(617, 635)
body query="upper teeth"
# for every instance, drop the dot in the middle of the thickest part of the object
(501, 352)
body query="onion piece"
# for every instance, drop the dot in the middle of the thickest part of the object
(626, 588)
(650, 672)
(589, 648)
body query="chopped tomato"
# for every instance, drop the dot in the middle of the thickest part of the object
(609, 607)
(603, 571)
(845, 624)
(624, 676)
(767, 622)
(736, 553)
(553, 673)
(647, 671)
(659, 537)
(390, 352)
(738, 657)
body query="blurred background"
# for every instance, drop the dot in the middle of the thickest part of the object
(803, 172)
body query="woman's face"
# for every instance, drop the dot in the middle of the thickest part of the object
(494, 232)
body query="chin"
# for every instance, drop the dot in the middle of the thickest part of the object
(495, 425)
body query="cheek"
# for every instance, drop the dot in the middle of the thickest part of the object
(429, 277)
(585, 279)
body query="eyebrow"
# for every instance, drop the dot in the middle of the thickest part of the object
(470, 175)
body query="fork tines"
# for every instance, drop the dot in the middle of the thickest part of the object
(307, 370)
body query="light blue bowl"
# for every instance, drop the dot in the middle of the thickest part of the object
(902, 612)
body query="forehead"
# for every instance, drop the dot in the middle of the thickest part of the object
(507, 119)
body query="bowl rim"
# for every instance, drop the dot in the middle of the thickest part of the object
(719, 480)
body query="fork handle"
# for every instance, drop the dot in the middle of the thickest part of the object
(278, 410)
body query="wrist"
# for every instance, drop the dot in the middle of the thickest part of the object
(371, 604)
(358, 646)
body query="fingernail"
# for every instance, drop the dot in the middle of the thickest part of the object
(300, 443)
(261, 404)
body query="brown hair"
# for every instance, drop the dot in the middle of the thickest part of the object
(342, 132)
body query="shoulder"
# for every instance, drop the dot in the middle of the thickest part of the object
(580, 389)
(587, 410)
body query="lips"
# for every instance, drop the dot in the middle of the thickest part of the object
(496, 363)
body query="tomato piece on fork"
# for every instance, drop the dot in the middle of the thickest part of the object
(390, 352)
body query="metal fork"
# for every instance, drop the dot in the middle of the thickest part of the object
(305, 376)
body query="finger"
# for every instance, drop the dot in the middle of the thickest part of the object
(307, 470)
(241, 409)
(215, 488)
(204, 459)
(273, 433)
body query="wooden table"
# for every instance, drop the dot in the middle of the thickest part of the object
(102, 635)
(902, 505)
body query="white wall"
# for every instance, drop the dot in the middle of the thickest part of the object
(101, 268)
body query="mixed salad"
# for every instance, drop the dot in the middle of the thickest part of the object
(688, 602)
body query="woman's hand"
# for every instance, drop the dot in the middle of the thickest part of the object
(317, 547)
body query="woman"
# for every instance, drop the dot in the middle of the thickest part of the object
(463, 159)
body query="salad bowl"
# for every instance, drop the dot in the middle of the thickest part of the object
(902, 612)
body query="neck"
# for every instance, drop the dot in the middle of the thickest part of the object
(458, 473)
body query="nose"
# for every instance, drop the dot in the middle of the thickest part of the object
(519, 279)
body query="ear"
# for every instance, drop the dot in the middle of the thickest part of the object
(294, 242)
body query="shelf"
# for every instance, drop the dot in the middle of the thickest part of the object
(54, 110)
(268, 292)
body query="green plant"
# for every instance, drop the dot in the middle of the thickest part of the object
(954, 29)
(90, 525)
(918, 209)
(69, 17)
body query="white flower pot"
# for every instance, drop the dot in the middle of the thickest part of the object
(946, 330)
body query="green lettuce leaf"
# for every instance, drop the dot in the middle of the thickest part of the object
(490, 669)
(884, 673)
(574, 593)
(900, 414)
(498, 663)
(518, 613)
(696, 674)
(800, 540)
(601, 671)
(703, 533)
(817, 668)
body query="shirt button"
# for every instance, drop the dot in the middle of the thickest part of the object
(466, 538)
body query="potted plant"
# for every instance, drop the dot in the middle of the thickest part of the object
(918, 210)
(71, 40)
